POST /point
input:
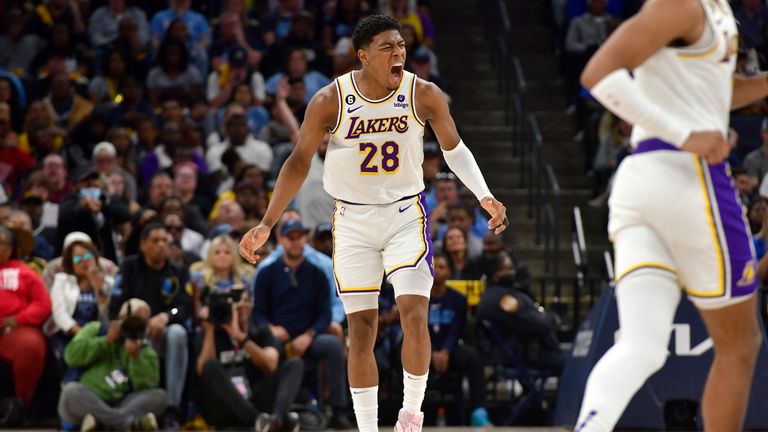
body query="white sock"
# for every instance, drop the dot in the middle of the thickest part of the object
(366, 404)
(414, 387)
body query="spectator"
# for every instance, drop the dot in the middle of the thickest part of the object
(341, 23)
(120, 375)
(198, 55)
(67, 108)
(302, 35)
(455, 248)
(26, 245)
(412, 46)
(80, 294)
(231, 35)
(189, 240)
(315, 257)
(446, 195)
(234, 390)
(510, 306)
(404, 13)
(468, 200)
(149, 276)
(63, 55)
(54, 12)
(104, 23)
(196, 24)
(585, 34)
(43, 214)
(222, 269)
(253, 200)
(39, 118)
(447, 318)
(173, 77)
(312, 200)
(185, 182)
(251, 150)
(133, 109)
(105, 161)
(174, 224)
(244, 96)
(291, 296)
(463, 218)
(323, 239)
(296, 68)
(56, 265)
(24, 306)
(106, 86)
(55, 170)
(93, 212)
(129, 42)
(613, 140)
(752, 19)
(17, 48)
(91, 131)
(421, 65)
(477, 268)
(756, 161)
(230, 74)
(8, 137)
(744, 185)
(278, 22)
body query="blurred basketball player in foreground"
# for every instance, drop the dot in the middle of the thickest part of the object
(676, 220)
(376, 118)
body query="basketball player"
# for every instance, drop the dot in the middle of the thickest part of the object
(675, 217)
(376, 117)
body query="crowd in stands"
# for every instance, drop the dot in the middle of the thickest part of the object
(138, 141)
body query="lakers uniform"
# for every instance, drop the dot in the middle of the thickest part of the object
(373, 170)
(699, 228)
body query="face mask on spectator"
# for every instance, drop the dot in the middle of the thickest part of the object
(93, 193)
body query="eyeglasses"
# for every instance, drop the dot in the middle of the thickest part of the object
(445, 176)
(77, 259)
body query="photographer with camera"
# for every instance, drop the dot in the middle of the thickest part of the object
(239, 368)
(118, 385)
(152, 277)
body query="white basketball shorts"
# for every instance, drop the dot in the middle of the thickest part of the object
(375, 241)
(702, 231)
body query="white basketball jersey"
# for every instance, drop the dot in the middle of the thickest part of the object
(376, 149)
(694, 84)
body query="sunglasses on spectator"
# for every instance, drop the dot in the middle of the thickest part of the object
(445, 176)
(77, 259)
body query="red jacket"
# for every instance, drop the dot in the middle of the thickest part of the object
(23, 294)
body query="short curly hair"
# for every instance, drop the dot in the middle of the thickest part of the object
(370, 26)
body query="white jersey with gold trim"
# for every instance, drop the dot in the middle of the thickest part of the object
(694, 84)
(376, 149)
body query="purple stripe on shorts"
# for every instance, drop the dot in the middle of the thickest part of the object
(653, 144)
(428, 232)
(743, 279)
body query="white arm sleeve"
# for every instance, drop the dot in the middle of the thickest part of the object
(463, 164)
(619, 92)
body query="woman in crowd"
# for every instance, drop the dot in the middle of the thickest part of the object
(456, 250)
(173, 77)
(221, 269)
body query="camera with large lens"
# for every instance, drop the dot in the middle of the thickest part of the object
(133, 328)
(220, 305)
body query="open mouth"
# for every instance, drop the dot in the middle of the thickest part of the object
(396, 72)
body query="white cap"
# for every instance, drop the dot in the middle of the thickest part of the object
(76, 236)
(105, 146)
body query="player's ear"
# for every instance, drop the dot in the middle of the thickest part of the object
(362, 55)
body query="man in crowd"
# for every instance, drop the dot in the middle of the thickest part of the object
(291, 296)
(240, 371)
(151, 277)
(118, 385)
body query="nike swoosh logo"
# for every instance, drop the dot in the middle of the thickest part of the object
(404, 209)
(350, 110)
